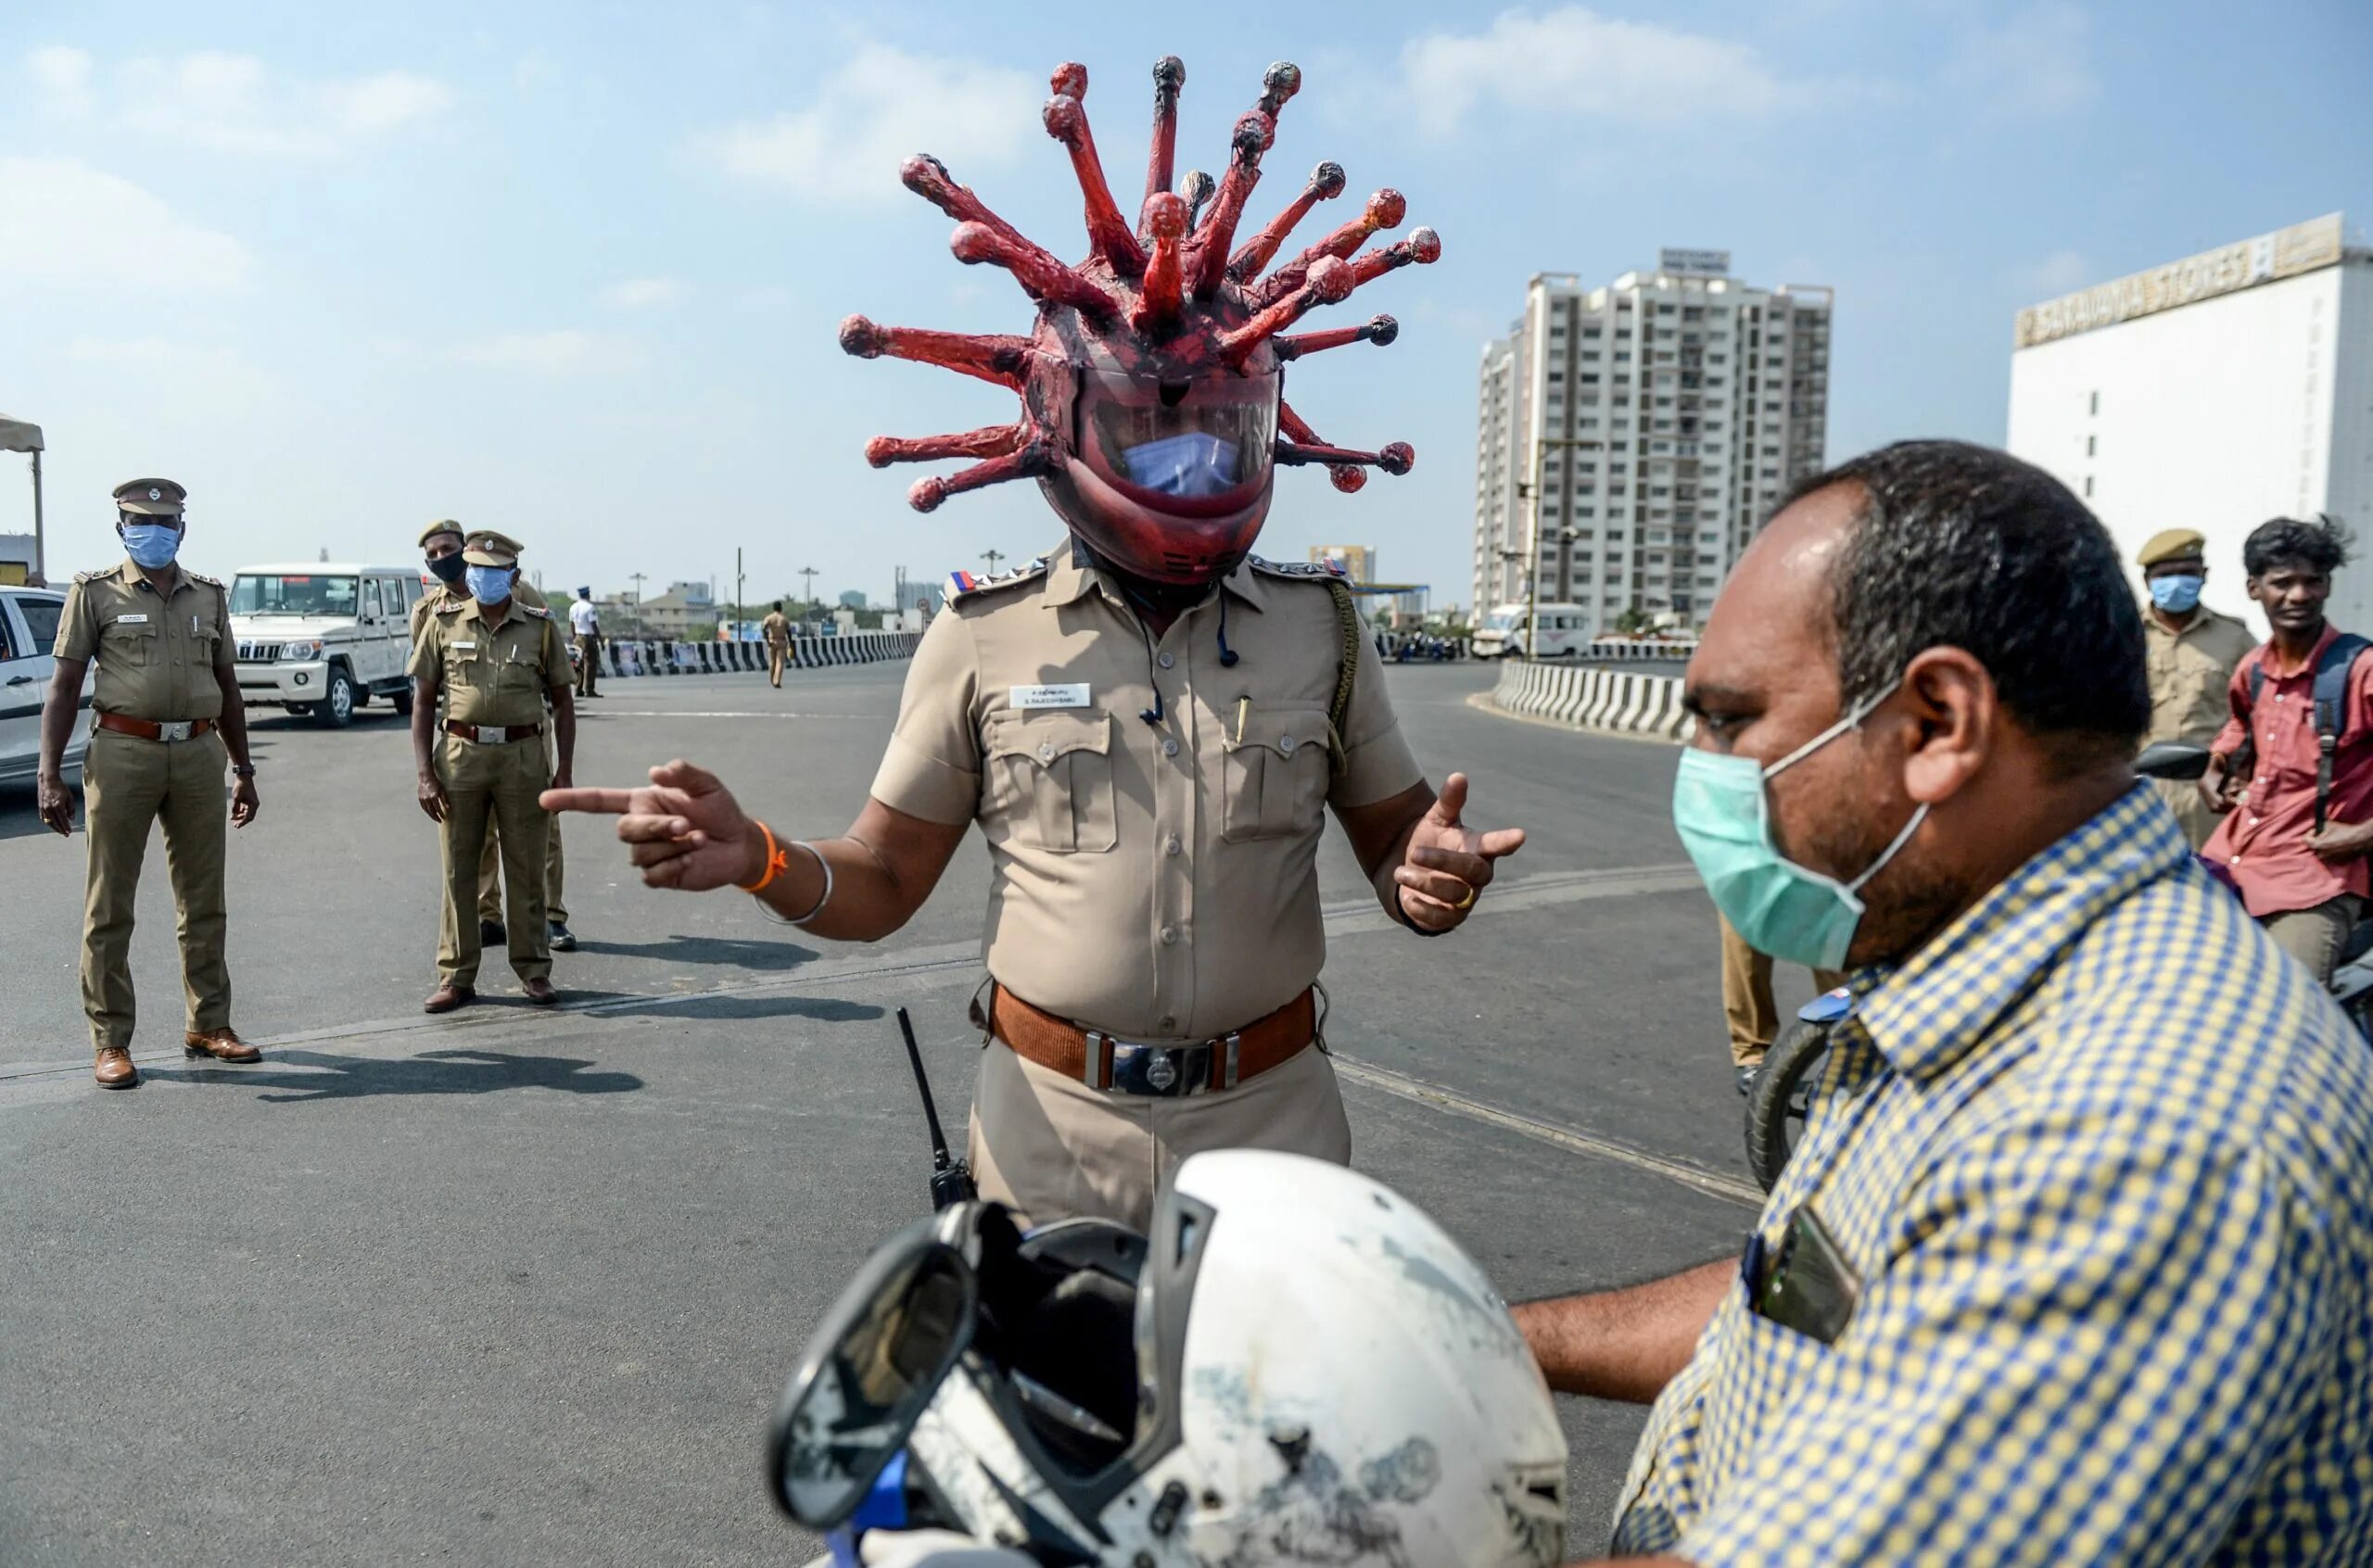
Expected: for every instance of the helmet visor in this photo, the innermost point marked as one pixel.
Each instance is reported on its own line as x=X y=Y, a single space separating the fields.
x=1188 y=447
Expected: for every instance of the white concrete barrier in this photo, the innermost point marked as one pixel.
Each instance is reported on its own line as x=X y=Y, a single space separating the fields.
x=1624 y=702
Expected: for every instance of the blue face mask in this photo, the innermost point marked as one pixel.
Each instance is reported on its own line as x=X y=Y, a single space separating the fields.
x=1724 y=812
x=2177 y=595
x=1188 y=465
x=489 y=585
x=152 y=545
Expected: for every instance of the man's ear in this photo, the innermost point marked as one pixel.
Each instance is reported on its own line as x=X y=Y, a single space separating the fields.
x=1954 y=723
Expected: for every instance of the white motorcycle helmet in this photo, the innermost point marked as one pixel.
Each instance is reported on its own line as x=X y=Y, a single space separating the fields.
x=1299 y=1367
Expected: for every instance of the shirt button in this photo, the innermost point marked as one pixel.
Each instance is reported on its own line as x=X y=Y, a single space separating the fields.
x=1164 y=660
x=1169 y=747
x=1286 y=744
x=1169 y=1022
x=1046 y=752
x=1170 y=845
x=1168 y=936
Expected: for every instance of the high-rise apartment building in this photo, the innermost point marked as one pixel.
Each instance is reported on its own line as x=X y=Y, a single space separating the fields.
x=2213 y=393
x=1664 y=414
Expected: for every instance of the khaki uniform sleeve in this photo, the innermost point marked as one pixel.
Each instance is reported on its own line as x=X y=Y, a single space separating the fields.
x=226 y=650
x=558 y=671
x=78 y=626
x=427 y=652
x=1377 y=761
x=931 y=767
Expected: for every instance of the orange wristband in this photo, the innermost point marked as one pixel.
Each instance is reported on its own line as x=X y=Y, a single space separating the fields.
x=778 y=860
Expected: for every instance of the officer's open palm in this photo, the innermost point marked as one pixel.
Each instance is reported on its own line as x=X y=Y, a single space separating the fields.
x=1448 y=863
x=685 y=830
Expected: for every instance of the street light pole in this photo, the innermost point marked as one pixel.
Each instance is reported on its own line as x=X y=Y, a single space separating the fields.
x=1540 y=446
x=636 y=578
x=807 y=588
x=737 y=593
x=993 y=557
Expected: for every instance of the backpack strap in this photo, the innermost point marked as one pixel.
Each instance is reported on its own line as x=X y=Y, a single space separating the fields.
x=2332 y=672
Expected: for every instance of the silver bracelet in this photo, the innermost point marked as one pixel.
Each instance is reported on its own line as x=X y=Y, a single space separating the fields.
x=822 y=899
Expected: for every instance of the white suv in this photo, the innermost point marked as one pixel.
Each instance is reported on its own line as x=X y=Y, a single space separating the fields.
x=323 y=638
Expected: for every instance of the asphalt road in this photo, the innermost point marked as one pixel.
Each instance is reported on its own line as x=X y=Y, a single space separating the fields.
x=521 y=1286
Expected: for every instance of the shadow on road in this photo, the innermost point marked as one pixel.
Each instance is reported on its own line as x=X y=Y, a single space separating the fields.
x=727 y=1009
x=736 y=951
x=437 y=1072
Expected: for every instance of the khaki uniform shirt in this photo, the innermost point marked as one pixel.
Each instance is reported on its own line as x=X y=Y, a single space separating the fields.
x=2190 y=671
x=521 y=593
x=492 y=675
x=775 y=629
x=1155 y=880
x=158 y=657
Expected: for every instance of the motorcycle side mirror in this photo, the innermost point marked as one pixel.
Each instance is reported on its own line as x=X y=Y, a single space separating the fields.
x=869 y=1373
x=2172 y=759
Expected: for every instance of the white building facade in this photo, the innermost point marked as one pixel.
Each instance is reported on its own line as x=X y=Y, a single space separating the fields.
x=1664 y=414
x=2213 y=393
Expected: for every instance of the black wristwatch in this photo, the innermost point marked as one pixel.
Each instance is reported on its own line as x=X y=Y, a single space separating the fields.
x=243 y=770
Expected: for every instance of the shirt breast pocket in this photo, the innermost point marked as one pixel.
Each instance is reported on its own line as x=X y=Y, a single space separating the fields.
x=1050 y=775
x=129 y=644
x=516 y=673
x=470 y=667
x=1275 y=773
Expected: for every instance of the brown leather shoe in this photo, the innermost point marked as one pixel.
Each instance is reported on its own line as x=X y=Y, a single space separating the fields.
x=445 y=998
x=540 y=992
x=114 y=1068
x=223 y=1044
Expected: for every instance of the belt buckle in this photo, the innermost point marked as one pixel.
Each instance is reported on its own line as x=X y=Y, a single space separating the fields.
x=174 y=729
x=1159 y=1072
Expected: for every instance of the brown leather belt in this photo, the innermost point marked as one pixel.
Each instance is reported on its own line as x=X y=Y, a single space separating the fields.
x=178 y=729
x=489 y=733
x=1127 y=1067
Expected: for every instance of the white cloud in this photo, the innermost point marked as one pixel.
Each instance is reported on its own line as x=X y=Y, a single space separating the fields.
x=232 y=385
x=2063 y=271
x=2036 y=63
x=565 y=352
x=636 y=294
x=874 y=113
x=226 y=103
x=1573 y=61
x=72 y=224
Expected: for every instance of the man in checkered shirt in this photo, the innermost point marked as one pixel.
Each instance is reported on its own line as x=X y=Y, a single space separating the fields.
x=2075 y=1261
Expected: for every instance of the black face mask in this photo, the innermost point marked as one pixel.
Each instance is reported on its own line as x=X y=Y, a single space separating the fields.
x=449 y=568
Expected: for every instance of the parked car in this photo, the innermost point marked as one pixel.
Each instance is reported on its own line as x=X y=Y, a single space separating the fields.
x=28 y=631
x=323 y=638
x=1565 y=631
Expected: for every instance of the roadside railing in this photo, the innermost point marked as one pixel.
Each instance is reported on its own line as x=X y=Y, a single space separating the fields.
x=645 y=656
x=1584 y=697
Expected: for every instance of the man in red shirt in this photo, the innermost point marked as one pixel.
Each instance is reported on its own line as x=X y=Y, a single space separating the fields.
x=2307 y=884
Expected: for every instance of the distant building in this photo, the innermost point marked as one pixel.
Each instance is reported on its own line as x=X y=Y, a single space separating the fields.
x=668 y=616
x=1358 y=562
x=2212 y=393
x=1685 y=403
x=853 y=599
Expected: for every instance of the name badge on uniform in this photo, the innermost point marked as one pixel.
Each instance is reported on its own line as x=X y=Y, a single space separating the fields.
x=137 y=618
x=1073 y=696
x=461 y=647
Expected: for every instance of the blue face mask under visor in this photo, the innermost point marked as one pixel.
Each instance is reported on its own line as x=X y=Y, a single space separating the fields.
x=1189 y=465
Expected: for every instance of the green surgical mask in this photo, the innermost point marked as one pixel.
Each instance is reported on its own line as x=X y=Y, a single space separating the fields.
x=1724 y=812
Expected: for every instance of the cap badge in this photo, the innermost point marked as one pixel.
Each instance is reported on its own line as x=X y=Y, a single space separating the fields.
x=156 y=494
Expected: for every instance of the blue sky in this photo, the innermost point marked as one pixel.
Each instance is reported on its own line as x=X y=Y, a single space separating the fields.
x=575 y=270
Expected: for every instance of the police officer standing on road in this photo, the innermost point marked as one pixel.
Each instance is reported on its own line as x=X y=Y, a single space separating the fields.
x=2195 y=651
x=168 y=716
x=1149 y=725
x=777 y=631
x=498 y=661
x=586 y=622
x=440 y=546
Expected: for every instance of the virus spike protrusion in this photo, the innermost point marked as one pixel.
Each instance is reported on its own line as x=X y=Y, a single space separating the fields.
x=1326 y=183
x=1330 y=284
x=1385 y=209
x=1348 y=477
x=1066 y=121
x=996 y=357
x=1379 y=331
x=1252 y=136
x=1040 y=274
x=1197 y=188
x=1423 y=248
x=992 y=441
x=1035 y=456
x=1156 y=312
x=929 y=179
x=1169 y=75
x=1395 y=459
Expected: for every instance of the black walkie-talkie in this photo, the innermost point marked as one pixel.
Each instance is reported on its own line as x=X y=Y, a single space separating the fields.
x=951 y=1179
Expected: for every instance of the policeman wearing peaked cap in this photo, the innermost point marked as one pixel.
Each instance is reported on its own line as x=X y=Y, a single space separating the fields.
x=497 y=662
x=2193 y=653
x=169 y=717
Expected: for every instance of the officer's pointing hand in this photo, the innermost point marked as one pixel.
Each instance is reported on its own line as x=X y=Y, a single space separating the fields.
x=686 y=830
x=1449 y=864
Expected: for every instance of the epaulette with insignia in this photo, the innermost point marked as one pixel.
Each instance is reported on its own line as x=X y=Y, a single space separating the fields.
x=451 y=605
x=536 y=610
x=1319 y=569
x=960 y=583
x=88 y=576
x=202 y=577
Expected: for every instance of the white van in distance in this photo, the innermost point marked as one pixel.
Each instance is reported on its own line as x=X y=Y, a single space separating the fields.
x=323 y=638
x=1565 y=632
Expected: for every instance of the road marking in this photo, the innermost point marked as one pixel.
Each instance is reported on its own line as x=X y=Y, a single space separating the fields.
x=708 y=712
x=1418 y=1092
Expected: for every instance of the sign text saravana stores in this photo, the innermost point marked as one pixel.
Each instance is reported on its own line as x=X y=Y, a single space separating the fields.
x=2303 y=247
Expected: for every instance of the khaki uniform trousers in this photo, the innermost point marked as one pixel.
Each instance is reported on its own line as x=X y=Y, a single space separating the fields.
x=490 y=794
x=490 y=858
x=128 y=786
x=1054 y=1148
x=1747 y=1002
x=589 y=660
x=776 y=653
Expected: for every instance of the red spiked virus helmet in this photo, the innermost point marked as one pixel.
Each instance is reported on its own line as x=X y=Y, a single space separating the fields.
x=1151 y=407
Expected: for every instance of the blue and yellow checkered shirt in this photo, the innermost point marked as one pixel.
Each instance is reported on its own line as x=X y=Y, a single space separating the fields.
x=2102 y=1158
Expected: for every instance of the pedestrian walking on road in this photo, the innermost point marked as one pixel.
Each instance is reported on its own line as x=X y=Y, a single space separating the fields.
x=497 y=662
x=2195 y=651
x=777 y=631
x=586 y=622
x=1149 y=727
x=168 y=716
